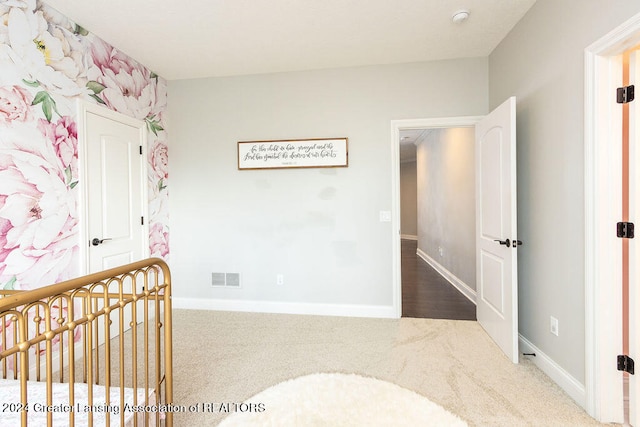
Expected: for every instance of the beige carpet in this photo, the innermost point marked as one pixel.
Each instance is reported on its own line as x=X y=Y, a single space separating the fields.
x=222 y=359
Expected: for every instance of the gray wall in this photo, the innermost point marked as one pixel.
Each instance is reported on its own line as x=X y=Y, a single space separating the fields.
x=320 y=228
x=446 y=201
x=542 y=62
x=408 y=199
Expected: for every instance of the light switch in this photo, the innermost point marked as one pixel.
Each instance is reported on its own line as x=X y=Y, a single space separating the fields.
x=385 y=216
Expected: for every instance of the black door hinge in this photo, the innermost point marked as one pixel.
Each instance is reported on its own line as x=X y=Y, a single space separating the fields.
x=625 y=230
x=141 y=220
x=625 y=94
x=625 y=364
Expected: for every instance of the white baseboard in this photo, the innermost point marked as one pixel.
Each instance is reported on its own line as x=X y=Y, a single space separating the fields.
x=568 y=383
x=451 y=278
x=408 y=237
x=345 y=310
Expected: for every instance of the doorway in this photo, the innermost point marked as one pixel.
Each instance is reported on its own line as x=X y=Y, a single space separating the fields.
x=113 y=202
x=603 y=209
x=398 y=126
x=496 y=235
x=113 y=176
x=437 y=198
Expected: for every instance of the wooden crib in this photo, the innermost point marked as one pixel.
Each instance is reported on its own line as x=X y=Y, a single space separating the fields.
x=94 y=351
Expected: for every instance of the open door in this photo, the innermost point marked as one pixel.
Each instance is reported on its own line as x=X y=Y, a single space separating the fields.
x=634 y=253
x=496 y=227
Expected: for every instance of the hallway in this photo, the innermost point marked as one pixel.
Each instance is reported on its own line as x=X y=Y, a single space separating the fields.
x=426 y=294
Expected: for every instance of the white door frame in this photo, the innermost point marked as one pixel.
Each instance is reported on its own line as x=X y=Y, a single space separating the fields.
x=603 y=189
x=396 y=127
x=83 y=108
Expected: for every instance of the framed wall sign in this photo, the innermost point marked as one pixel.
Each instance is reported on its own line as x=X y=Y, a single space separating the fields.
x=293 y=153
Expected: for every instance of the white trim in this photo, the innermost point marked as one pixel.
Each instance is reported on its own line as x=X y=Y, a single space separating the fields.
x=396 y=127
x=83 y=107
x=449 y=276
x=344 y=310
x=602 y=157
x=566 y=381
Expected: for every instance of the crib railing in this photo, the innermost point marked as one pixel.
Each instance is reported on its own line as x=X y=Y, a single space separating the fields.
x=110 y=329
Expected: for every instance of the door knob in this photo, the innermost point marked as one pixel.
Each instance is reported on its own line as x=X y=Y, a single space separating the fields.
x=96 y=241
x=507 y=242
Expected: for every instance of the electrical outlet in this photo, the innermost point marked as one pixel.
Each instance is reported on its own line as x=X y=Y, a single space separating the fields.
x=440 y=251
x=553 y=326
x=280 y=279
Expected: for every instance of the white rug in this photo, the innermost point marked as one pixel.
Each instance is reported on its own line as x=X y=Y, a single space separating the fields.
x=339 y=400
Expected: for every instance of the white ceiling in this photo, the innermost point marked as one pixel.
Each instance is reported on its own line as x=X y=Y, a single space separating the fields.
x=205 y=38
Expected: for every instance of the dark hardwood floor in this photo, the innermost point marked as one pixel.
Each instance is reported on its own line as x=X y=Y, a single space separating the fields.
x=426 y=294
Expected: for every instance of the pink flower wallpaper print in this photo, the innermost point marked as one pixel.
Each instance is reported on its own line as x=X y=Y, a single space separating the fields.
x=47 y=62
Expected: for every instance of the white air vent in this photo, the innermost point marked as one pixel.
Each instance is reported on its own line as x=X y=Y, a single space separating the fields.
x=233 y=280
x=218 y=279
x=225 y=280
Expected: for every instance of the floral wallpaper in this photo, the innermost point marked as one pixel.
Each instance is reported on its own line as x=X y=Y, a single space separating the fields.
x=46 y=63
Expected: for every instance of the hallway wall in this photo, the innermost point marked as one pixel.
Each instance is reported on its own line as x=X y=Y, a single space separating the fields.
x=408 y=199
x=446 y=201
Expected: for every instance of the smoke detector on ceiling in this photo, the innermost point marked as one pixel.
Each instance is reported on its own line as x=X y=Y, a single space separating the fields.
x=460 y=16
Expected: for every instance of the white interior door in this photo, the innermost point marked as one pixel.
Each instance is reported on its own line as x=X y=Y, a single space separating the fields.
x=634 y=253
x=115 y=189
x=115 y=199
x=496 y=227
